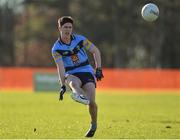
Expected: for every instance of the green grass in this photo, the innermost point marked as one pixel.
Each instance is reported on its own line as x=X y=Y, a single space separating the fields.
x=120 y=116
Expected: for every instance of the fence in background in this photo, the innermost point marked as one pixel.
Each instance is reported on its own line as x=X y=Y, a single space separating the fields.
x=23 y=78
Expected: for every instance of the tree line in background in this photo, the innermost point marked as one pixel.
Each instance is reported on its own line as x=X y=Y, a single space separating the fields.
x=28 y=29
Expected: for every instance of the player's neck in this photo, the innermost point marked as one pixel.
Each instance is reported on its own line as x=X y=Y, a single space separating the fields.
x=66 y=39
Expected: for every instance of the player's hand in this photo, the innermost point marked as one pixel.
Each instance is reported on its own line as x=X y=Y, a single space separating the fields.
x=99 y=74
x=62 y=91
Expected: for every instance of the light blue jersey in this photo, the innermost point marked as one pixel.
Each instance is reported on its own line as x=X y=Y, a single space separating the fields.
x=73 y=55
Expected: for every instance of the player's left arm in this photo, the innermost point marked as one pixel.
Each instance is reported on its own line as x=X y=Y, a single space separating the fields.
x=89 y=46
x=97 y=58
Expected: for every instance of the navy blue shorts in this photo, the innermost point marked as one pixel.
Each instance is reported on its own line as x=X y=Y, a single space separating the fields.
x=85 y=77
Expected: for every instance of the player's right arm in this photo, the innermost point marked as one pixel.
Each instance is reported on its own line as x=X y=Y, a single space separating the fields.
x=60 y=67
x=61 y=72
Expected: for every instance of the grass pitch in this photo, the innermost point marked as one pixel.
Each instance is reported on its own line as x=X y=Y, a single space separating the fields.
x=41 y=116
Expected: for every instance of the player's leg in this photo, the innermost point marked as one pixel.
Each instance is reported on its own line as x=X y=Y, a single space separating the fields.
x=77 y=92
x=89 y=88
x=74 y=83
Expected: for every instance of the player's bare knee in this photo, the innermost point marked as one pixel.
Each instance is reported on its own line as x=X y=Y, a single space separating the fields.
x=73 y=84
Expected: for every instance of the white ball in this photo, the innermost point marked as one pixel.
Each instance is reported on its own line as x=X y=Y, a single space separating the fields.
x=150 y=12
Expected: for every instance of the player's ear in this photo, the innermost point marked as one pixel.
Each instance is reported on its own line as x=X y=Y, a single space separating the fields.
x=59 y=28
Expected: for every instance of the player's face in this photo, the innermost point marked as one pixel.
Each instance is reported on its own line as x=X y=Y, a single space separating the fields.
x=66 y=29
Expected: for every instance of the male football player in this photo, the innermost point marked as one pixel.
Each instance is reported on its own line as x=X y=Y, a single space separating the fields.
x=74 y=70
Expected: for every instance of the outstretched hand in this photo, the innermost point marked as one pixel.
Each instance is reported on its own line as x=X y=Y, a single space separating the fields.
x=99 y=75
x=62 y=91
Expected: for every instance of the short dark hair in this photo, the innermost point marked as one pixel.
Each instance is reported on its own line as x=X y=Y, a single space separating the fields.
x=65 y=19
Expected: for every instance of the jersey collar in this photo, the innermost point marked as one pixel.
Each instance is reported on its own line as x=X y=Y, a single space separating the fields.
x=62 y=43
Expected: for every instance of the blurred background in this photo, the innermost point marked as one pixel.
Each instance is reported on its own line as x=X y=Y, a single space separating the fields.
x=130 y=46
